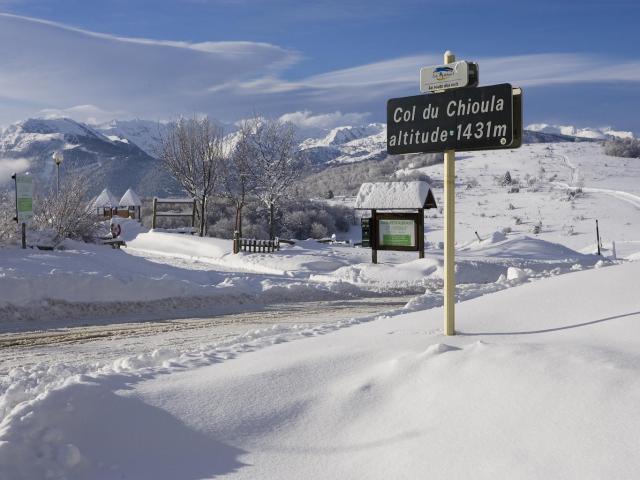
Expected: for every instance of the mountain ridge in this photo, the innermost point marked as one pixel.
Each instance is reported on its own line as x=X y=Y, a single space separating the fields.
x=122 y=153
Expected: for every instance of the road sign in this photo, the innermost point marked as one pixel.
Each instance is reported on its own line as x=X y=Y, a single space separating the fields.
x=464 y=119
x=445 y=77
x=24 y=197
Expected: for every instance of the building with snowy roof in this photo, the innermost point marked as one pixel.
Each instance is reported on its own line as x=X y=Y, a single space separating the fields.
x=129 y=205
x=105 y=203
x=415 y=195
x=401 y=225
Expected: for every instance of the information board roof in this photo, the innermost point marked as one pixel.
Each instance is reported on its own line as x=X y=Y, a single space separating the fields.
x=395 y=196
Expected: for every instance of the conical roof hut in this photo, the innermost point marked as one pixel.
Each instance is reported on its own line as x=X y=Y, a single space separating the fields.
x=130 y=199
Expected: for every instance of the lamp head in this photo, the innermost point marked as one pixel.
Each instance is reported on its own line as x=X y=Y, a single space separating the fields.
x=58 y=157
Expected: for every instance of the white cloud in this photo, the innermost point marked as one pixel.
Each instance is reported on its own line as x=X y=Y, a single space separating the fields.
x=9 y=166
x=90 y=114
x=310 y=124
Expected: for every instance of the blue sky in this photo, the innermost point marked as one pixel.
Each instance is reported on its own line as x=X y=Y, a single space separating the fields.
x=330 y=61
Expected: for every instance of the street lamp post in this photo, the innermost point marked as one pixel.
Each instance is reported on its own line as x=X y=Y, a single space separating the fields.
x=58 y=157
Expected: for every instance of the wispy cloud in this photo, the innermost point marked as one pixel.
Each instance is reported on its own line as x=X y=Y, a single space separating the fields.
x=49 y=68
x=56 y=66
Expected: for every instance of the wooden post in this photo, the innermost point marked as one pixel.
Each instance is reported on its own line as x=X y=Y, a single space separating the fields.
x=421 y=233
x=373 y=229
x=24 y=235
x=236 y=242
x=155 y=210
x=449 y=232
x=598 y=237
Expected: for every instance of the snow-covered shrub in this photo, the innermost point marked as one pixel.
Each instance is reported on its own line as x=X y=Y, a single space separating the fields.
x=472 y=183
x=622 y=147
x=568 y=230
x=66 y=213
x=255 y=231
x=8 y=226
x=537 y=228
x=318 y=230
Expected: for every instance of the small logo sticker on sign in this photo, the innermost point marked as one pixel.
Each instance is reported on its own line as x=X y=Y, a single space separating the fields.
x=443 y=73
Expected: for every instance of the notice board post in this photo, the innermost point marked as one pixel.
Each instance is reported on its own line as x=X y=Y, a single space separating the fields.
x=374 y=237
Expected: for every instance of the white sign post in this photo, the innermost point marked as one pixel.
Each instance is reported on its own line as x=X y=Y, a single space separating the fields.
x=449 y=232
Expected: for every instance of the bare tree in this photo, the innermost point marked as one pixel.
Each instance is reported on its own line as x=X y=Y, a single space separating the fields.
x=238 y=168
x=192 y=152
x=272 y=146
x=67 y=213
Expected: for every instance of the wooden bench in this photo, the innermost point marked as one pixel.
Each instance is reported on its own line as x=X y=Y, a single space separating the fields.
x=114 y=242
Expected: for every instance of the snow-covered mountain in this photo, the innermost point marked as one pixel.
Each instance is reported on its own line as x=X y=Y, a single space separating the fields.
x=350 y=144
x=571 y=131
x=347 y=144
x=110 y=161
x=120 y=154
x=146 y=134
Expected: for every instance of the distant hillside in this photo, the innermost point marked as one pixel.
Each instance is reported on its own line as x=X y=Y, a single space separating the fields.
x=116 y=163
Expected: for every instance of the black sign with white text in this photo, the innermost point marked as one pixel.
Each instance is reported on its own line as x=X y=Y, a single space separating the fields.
x=476 y=118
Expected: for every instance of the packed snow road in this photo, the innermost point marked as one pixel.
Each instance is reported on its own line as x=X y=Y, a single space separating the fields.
x=107 y=342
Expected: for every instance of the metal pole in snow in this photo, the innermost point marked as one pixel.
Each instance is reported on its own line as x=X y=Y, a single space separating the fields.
x=449 y=232
x=598 y=237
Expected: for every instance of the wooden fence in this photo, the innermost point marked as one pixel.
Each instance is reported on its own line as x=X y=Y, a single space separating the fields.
x=255 y=246
x=189 y=203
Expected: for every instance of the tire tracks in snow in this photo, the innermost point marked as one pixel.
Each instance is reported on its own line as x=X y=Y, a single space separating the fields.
x=627 y=197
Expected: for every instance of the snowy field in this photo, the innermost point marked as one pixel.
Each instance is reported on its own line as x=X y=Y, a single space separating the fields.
x=540 y=382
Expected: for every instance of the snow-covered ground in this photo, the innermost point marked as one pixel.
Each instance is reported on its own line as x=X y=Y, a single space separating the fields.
x=541 y=382
x=163 y=275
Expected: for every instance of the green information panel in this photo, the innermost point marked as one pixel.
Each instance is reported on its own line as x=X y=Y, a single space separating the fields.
x=24 y=197
x=397 y=233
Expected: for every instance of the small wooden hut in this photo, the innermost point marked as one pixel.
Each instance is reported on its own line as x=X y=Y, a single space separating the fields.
x=129 y=206
x=105 y=204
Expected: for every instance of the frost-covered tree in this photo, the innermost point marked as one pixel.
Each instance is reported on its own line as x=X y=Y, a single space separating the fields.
x=276 y=165
x=237 y=172
x=192 y=152
x=66 y=213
